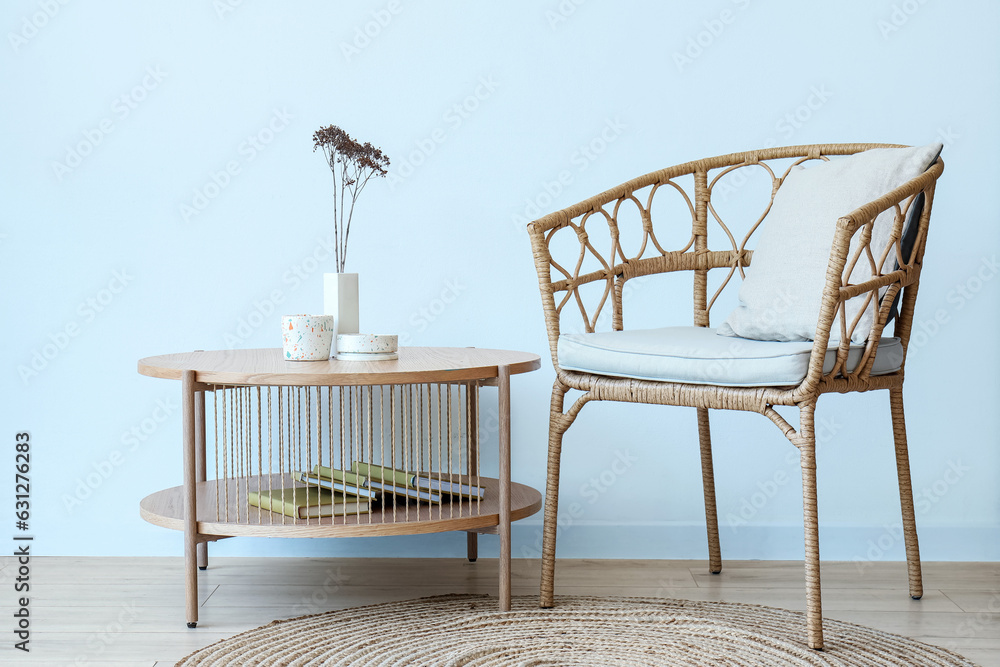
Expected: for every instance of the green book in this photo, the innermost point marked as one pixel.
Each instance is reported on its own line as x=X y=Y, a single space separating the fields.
x=305 y=502
x=343 y=476
x=439 y=482
x=382 y=474
x=436 y=483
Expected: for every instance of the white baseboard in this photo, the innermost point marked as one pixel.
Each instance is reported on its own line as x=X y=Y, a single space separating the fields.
x=662 y=541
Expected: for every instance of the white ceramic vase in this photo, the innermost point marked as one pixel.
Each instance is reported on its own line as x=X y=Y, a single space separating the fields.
x=340 y=299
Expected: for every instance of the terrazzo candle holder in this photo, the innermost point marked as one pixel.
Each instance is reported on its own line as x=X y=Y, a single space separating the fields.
x=366 y=347
x=358 y=343
x=306 y=337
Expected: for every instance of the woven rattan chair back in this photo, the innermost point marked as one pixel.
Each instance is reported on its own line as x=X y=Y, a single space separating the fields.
x=585 y=256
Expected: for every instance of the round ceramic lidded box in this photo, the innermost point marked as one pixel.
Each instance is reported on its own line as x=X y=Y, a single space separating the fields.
x=367 y=347
x=307 y=337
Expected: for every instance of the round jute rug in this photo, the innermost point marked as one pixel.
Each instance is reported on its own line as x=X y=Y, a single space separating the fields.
x=468 y=630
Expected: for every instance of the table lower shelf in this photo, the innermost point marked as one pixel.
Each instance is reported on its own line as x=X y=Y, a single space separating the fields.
x=166 y=508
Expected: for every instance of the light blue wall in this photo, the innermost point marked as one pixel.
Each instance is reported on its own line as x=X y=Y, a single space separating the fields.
x=162 y=96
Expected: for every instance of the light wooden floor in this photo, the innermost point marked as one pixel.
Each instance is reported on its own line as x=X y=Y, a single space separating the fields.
x=129 y=611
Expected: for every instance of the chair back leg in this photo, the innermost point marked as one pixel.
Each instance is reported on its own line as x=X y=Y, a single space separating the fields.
x=708 y=481
x=906 y=493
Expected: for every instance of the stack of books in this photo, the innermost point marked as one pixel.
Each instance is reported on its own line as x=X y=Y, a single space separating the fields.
x=333 y=492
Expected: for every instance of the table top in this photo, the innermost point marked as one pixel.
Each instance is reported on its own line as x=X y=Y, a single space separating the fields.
x=268 y=367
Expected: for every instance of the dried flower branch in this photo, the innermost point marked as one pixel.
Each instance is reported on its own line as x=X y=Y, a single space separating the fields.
x=352 y=166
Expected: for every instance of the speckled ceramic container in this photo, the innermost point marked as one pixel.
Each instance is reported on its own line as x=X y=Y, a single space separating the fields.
x=307 y=337
x=367 y=343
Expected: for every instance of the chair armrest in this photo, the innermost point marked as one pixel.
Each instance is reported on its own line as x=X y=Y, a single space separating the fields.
x=894 y=273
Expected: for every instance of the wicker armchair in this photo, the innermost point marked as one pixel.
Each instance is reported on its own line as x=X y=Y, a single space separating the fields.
x=583 y=283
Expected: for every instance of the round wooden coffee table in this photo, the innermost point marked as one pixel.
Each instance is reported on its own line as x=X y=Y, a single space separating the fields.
x=377 y=401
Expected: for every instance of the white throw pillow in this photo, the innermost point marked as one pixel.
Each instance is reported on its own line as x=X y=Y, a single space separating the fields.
x=781 y=296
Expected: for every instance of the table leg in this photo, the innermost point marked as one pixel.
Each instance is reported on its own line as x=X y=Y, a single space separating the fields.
x=472 y=539
x=503 y=390
x=472 y=546
x=200 y=469
x=190 y=499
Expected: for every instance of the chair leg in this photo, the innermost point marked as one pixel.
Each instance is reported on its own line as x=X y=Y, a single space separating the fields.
x=708 y=481
x=906 y=494
x=807 y=459
x=557 y=428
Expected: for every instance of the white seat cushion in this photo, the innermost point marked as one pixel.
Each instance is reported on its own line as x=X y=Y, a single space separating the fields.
x=697 y=355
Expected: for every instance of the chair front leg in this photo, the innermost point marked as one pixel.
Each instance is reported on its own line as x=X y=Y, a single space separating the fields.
x=906 y=493
x=807 y=459
x=708 y=481
x=557 y=427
